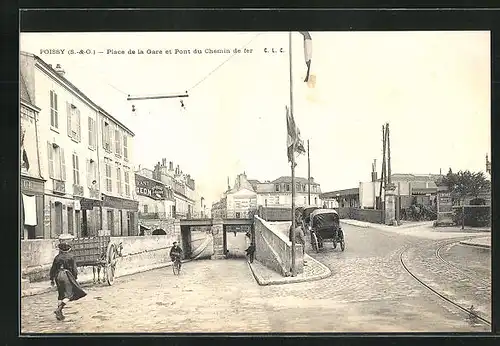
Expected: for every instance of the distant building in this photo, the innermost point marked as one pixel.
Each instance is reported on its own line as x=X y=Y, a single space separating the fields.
x=341 y=198
x=156 y=200
x=182 y=185
x=278 y=193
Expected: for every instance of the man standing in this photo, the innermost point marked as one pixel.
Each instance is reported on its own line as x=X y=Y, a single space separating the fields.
x=298 y=233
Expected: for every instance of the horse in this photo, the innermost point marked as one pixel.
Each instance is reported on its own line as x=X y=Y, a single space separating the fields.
x=101 y=262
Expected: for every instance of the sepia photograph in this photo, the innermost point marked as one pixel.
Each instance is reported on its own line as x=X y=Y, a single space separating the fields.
x=255 y=182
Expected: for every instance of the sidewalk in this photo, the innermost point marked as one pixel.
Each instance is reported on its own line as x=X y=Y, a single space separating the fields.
x=484 y=242
x=423 y=229
x=85 y=280
x=313 y=270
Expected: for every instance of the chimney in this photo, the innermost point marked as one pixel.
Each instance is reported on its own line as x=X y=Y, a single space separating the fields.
x=374 y=170
x=59 y=70
x=163 y=162
x=171 y=166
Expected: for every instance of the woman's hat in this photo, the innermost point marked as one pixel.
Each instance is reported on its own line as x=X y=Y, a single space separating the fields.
x=64 y=247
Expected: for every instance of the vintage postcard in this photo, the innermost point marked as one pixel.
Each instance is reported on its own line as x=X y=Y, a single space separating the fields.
x=200 y=182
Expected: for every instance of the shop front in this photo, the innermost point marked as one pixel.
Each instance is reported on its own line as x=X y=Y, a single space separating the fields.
x=120 y=216
x=89 y=211
x=32 y=210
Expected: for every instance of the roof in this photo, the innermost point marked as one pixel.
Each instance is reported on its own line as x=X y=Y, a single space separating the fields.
x=414 y=177
x=253 y=181
x=323 y=211
x=288 y=179
x=78 y=91
x=345 y=192
x=25 y=96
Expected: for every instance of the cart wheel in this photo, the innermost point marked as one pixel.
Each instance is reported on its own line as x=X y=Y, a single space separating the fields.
x=342 y=245
x=111 y=264
x=314 y=242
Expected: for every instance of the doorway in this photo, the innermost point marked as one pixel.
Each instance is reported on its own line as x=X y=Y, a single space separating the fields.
x=85 y=227
x=70 y=221
x=58 y=220
x=120 y=222
x=109 y=214
x=78 y=223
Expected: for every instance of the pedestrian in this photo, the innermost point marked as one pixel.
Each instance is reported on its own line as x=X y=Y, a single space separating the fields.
x=63 y=273
x=250 y=252
x=299 y=237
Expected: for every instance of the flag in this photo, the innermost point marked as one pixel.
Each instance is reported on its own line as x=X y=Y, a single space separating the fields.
x=293 y=137
x=307 y=52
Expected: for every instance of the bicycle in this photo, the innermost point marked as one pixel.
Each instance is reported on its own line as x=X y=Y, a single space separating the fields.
x=176 y=266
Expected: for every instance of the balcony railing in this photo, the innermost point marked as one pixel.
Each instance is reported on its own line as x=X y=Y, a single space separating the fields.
x=59 y=186
x=77 y=190
x=153 y=216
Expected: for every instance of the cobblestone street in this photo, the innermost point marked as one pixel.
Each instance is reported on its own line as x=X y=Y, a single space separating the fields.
x=368 y=291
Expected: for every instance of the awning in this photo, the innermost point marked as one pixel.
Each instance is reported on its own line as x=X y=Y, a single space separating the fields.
x=29 y=203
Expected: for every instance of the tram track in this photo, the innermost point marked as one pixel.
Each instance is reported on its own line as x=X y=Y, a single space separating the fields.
x=455 y=267
x=470 y=312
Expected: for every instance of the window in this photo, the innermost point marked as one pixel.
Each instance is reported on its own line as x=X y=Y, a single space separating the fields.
x=316 y=200
x=118 y=144
x=92 y=132
x=297 y=186
x=125 y=147
x=287 y=187
x=57 y=163
x=109 y=185
x=145 y=208
x=119 y=180
x=73 y=115
x=91 y=172
x=76 y=170
x=54 y=117
x=127 y=180
x=265 y=202
x=106 y=136
x=277 y=187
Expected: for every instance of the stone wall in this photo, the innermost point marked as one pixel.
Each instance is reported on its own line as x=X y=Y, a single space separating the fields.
x=275 y=214
x=367 y=215
x=138 y=252
x=274 y=250
x=218 y=239
x=168 y=225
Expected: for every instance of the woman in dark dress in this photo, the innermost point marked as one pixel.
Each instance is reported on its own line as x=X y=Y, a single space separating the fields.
x=64 y=274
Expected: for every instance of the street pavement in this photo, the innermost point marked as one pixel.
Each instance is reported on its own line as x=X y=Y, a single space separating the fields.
x=368 y=291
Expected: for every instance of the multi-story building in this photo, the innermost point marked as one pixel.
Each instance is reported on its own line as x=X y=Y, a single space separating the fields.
x=119 y=204
x=278 y=193
x=241 y=200
x=183 y=187
x=32 y=183
x=156 y=200
x=219 y=209
x=88 y=182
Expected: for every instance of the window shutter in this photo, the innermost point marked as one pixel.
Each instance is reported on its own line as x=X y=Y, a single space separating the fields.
x=77 y=170
x=68 y=113
x=103 y=130
x=79 y=130
x=89 y=176
x=50 y=152
x=63 y=164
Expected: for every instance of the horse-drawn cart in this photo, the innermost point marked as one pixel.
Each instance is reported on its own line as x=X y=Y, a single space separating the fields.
x=99 y=253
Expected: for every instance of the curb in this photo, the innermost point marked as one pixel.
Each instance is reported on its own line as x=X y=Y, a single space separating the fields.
x=467 y=243
x=90 y=282
x=289 y=280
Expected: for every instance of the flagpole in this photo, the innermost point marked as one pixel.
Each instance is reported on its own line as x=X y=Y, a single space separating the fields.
x=308 y=176
x=294 y=271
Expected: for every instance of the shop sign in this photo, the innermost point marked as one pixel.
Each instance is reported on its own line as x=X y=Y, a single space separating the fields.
x=89 y=204
x=149 y=188
x=29 y=185
x=119 y=203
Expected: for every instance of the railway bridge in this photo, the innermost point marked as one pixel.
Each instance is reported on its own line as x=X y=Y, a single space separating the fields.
x=217 y=230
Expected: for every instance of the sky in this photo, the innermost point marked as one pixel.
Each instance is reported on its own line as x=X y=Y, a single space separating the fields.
x=433 y=88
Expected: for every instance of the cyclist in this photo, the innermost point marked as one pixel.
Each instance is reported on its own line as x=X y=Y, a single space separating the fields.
x=176 y=253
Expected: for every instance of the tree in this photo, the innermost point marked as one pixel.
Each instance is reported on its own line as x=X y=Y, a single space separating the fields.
x=466 y=183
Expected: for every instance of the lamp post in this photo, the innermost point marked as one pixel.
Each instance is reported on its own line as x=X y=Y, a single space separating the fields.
x=201 y=205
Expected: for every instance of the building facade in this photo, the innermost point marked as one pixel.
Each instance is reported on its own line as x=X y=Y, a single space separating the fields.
x=341 y=198
x=32 y=183
x=84 y=189
x=182 y=185
x=241 y=200
x=156 y=200
x=278 y=193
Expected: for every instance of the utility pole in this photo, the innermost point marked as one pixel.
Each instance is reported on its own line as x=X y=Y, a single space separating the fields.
x=382 y=176
x=308 y=176
x=294 y=270
x=388 y=142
